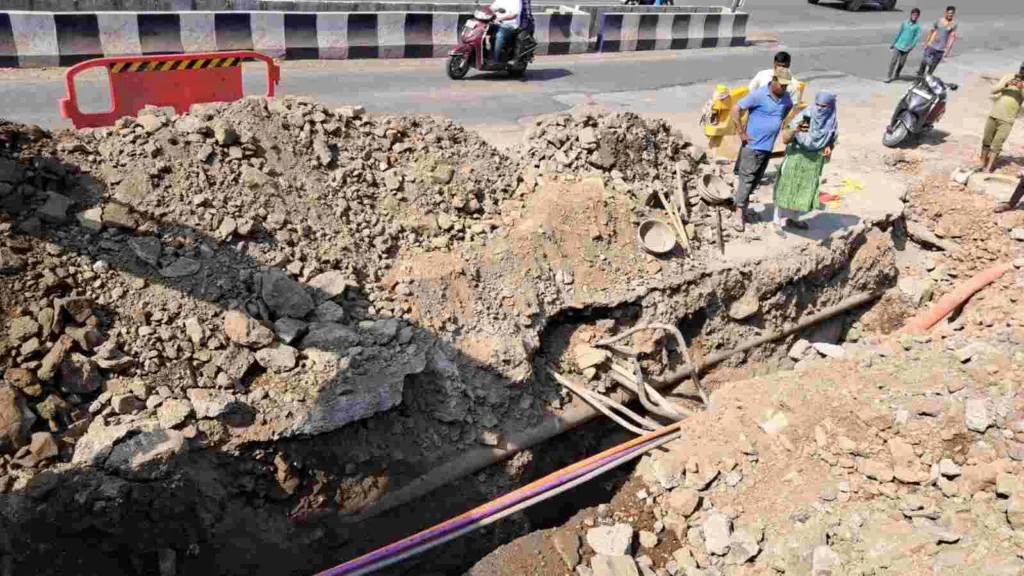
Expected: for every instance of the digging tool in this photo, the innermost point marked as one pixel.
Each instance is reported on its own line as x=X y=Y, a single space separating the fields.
x=673 y=217
x=681 y=194
x=718 y=230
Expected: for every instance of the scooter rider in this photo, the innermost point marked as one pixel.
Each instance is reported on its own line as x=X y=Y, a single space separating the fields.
x=507 y=16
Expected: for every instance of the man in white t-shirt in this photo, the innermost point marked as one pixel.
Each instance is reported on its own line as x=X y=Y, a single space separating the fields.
x=764 y=77
x=506 y=15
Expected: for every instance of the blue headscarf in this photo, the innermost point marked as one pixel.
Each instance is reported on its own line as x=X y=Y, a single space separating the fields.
x=824 y=123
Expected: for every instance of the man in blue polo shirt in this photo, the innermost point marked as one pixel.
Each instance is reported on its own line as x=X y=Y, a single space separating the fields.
x=766 y=109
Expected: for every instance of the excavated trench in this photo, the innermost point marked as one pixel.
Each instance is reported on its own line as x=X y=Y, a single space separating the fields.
x=504 y=270
x=228 y=513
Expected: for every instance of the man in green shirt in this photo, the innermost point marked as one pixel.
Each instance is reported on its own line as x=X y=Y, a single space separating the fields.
x=1008 y=97
x=906 y=40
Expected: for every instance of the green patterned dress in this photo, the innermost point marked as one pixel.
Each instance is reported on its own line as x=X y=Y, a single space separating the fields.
x=796 y=187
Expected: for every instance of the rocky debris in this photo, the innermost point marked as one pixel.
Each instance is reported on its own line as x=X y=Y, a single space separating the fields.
x=567 y=544
x=247 y=331
x=976 y=415
x=717 y=534
x=278 y=358
x=144 y=455
x=614 y=540
x=210 y=403
x=605 y=565
x=289 y=329
x=173 y=412
x=285 y=296
x=16 y=419
x=744 y=307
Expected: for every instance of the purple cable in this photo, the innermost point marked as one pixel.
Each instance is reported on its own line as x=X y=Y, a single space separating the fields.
x=446 y=528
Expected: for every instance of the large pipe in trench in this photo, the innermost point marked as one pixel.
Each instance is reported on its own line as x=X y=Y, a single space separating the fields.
x=479 y=458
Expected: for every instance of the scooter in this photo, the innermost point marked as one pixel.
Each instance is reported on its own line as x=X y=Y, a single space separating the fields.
x=476 y=43
x=917 y=112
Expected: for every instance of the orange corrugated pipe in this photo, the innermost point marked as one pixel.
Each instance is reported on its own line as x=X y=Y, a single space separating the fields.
x=922 y=322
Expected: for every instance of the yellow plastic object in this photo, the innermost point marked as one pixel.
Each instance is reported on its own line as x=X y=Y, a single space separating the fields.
x=721 y=122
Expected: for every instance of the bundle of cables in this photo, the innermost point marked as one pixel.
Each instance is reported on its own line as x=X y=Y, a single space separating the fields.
x=487 y=514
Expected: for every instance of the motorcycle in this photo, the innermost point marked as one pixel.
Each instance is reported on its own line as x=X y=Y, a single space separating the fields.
x=475 y=47
x=921 y=107
x=647 y=3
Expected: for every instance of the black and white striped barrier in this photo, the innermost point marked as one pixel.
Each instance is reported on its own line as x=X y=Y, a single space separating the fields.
x=35 y=39
x=619 y=32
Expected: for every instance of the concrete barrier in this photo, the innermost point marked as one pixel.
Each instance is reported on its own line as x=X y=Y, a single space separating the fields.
x=33 y=39
x=624 y=32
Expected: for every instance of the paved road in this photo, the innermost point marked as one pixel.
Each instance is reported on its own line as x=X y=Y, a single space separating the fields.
x=825 y=41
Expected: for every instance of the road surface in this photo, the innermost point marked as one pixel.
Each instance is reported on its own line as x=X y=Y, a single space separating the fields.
x=825 y=41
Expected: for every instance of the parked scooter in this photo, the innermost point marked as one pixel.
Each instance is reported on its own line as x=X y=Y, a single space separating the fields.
x=476 y=48
x=917 y=112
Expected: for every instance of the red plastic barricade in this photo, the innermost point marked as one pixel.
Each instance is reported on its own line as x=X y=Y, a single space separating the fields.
x=175 y=80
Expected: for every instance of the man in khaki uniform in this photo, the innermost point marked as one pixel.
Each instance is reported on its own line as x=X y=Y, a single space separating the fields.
x=1008 y=97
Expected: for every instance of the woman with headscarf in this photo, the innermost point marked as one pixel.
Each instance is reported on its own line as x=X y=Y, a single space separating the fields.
x=810 y=138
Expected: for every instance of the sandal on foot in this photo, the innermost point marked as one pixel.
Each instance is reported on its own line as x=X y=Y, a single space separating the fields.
x=798 y=225
x=1002 y=207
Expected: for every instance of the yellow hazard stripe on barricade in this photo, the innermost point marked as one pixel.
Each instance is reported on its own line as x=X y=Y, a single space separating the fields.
x=170 y=65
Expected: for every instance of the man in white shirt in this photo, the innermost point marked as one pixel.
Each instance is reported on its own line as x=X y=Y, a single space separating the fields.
x=764 y=77
x=506 y=15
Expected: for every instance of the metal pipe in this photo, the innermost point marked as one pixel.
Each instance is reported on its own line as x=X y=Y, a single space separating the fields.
x=585 y=395
x=554 y=424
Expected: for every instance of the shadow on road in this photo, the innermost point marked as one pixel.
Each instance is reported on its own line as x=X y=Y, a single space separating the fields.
x=531 y=75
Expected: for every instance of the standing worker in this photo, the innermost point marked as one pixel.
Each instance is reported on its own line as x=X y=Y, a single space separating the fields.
x=782 y=61
x=1008 y=96
x=906 y=40
x=767 y=108
x=940 y=42
x=810 y=139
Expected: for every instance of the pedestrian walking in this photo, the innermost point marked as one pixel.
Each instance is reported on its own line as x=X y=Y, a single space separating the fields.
x=939 y=45
x=1008 y=98
x=904 y=43
x=1015 y=198
x=810 y=138
x=767 y=108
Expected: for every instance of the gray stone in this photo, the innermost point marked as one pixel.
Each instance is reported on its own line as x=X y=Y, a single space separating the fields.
x=683 y=501
x=976 y=415
x=611 y=540
x=917 y=291
x=173 y=412
x=55 y=211
x=118 y=216
x=147 y=249
x=329 y=285
x=648 y=539
x=181 y=268
x=799 y=348
x=328 y=311
x=1017 y=234
x=194 y=331
x=1007 y=484
x=1015 y=511
x=224 y=133
x=55 y=357
x=151 y=122
x=604 y=565
x=567 y=544
x=949 y=469
x=392 y=180
x=285 y=296
x=126 y=403
x=328 y=336
x=773 y=422
x=717 y=534
x=876 y=470
x=825 y=562
x=384 y=331
x=43 y=446
x=235 y=361
x=79 y=375
x=247 y=331
x=16 y=419
x=830 y=350
x=210 y=403
x=443 y=174
x=669 y=469
x=146 y=455
x=278 y=358
x=95 y=446
x=744 y=308
x=289 y=329
x=588 y=139
x=22 y=328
